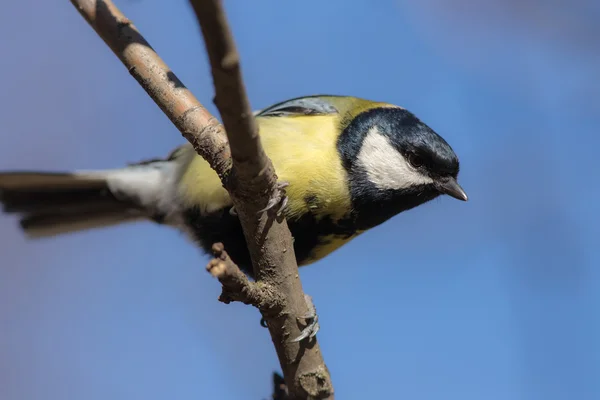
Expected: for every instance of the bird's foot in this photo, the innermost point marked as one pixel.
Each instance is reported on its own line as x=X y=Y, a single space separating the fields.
x=279 y=199
x=312 y=320
x=310 y=317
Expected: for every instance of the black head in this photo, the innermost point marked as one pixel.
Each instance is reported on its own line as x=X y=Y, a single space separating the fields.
x=395 y=162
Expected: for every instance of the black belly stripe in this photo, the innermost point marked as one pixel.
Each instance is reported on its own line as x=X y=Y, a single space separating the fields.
x=222 y=227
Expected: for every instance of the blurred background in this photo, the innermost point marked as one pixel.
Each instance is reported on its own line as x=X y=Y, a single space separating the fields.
x=496 y=298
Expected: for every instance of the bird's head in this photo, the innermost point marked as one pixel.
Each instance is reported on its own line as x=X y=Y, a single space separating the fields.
x=395 y=162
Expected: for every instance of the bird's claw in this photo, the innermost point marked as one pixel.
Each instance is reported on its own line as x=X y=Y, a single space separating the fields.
x=311 y=318
x=278 y=198
x=233 y=212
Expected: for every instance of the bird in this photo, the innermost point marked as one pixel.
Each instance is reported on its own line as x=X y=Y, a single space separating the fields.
x=345 y=165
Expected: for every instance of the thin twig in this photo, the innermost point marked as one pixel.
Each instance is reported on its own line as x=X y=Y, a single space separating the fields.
x=237 y=286
x=247 y=173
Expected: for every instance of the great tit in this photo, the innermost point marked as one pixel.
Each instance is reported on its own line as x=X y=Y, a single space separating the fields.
x=349 y=164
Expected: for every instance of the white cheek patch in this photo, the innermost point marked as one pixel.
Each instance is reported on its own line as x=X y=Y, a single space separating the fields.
x=386 y=168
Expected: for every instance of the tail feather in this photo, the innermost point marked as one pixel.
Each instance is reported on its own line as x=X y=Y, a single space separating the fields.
x=46 y=225
x=57 y=203
x=50 y=180
x=54 y=200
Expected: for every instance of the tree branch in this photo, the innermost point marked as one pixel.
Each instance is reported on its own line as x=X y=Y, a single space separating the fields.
x=245 y=170
x=194 y=122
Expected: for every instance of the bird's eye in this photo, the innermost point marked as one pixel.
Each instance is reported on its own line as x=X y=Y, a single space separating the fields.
x=415 y=160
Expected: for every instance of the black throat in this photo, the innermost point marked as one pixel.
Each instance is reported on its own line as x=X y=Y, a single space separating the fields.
x=372 y=206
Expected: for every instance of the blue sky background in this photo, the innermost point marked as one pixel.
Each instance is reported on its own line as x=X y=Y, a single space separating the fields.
x=496 y=298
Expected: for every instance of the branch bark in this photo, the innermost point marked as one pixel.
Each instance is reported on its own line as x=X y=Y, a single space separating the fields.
x=245 y=170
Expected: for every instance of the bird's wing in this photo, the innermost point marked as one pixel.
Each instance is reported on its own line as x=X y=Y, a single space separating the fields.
x=309 y=105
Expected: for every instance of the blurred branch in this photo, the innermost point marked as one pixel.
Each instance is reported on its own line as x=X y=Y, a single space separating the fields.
x=279 y=388
x=244 y=169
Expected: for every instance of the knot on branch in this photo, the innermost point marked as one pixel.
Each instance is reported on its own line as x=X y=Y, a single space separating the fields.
x=317 y=383
x=237 y=286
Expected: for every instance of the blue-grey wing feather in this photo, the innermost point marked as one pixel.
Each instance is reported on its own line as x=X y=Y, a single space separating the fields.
x=308 y=105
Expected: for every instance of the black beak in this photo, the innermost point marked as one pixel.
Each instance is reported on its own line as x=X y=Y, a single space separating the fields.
x=450 y=187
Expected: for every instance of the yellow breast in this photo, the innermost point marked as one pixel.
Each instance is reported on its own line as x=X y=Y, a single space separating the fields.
x=303 y=151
